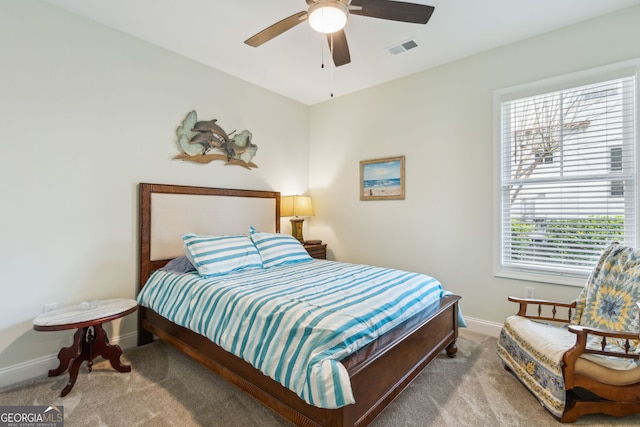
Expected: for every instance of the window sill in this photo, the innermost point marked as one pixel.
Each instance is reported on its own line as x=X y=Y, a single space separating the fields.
x=577 y=281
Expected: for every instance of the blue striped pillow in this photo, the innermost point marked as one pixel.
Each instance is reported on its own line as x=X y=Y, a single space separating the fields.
x=276 y=249
x=218 y=255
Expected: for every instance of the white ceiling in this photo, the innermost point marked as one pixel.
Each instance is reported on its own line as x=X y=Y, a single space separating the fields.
x=213 y=31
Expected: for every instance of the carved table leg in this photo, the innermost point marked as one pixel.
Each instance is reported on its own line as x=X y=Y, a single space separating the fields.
x=73 y=374
x=84 y=336
x=67 y=354
x=452 y=349
x=108 y=351
x=88 y=343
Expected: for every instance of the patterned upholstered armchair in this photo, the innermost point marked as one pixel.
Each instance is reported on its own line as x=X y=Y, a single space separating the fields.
x=582 y=357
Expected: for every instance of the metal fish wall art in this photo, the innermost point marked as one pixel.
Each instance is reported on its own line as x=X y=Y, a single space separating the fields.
x=206 y=141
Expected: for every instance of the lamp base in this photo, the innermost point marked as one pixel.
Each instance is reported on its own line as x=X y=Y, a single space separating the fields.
x=296 y=228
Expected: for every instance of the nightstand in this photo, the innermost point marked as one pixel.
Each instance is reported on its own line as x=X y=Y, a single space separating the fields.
x=317 y=251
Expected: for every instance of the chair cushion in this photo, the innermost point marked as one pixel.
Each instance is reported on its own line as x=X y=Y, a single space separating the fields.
x=608 y=300
x=533 y=351
x=551 y=342
x=606 y=375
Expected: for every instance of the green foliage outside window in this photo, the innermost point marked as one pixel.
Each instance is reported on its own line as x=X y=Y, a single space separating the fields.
x=552 y=238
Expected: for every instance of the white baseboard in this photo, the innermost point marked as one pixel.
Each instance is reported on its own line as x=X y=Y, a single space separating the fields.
x=40 y=366
x=483 y=326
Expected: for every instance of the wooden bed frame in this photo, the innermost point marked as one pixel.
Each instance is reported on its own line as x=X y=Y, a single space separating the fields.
x=378 y=372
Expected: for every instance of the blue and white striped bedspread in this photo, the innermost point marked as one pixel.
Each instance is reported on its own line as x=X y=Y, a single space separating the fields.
x=294 y=322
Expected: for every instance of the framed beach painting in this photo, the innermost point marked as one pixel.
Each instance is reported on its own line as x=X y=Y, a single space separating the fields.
x=382 y=179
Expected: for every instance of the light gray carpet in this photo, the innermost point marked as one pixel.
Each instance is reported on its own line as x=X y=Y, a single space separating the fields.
x=167 y=388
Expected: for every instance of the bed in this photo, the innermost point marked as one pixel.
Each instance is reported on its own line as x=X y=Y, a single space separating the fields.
x=377 y=372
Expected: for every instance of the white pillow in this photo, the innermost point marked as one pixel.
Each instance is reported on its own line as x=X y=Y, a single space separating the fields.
x=218 y=255
x=277 y=249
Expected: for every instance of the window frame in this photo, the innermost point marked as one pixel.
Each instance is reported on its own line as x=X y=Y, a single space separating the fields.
x=624 y=69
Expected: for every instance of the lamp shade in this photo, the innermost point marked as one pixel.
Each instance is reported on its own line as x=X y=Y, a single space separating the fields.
x=328 y=16
x=296 y=206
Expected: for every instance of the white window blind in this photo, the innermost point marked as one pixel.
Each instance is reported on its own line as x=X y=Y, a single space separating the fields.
x=568 y=177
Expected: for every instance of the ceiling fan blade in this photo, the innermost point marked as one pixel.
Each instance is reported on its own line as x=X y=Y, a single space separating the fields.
x=393 y=10
x=340 y=48
x=276 y=29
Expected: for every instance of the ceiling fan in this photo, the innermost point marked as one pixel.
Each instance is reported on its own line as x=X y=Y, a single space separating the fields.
x=330 y=17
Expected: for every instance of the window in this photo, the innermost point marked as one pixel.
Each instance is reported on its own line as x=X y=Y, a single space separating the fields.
x=567 y=183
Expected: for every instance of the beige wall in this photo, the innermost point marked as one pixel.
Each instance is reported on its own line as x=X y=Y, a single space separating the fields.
x=87 y=113
x=442 y=121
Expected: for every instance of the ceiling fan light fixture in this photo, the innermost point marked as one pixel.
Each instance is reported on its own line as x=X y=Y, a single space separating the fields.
x=328 y=16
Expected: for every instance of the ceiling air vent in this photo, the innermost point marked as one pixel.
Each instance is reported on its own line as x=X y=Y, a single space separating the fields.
x=402 y=47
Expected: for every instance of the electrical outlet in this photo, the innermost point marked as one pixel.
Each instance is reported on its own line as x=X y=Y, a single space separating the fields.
x=529 y=292
x=52 y=306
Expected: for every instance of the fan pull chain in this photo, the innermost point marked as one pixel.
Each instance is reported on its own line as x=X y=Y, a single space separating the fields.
x=332 y=65
x=322 y=52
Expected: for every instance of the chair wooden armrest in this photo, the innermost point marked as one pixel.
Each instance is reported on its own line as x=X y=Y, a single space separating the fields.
x=524 y=302
x=573 y=354
x=582 y=332
x=580 y=348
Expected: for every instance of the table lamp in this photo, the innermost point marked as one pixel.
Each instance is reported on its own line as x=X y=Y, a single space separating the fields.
x=296 y=206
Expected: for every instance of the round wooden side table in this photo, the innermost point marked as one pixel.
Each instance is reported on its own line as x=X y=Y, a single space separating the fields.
x=90 y=340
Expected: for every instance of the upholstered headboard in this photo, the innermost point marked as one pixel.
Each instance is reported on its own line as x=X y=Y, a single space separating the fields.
x=166 y=212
